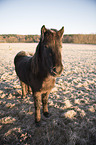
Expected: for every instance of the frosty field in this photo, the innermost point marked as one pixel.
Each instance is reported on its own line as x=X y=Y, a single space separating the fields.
x=72 y=102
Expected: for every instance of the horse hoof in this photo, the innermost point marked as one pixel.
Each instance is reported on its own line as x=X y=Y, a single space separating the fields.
x=47 y=115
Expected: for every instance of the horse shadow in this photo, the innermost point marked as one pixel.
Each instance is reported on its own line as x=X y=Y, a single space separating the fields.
x=70 y=122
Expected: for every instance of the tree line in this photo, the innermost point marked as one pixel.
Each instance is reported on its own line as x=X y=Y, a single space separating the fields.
x=73 y=38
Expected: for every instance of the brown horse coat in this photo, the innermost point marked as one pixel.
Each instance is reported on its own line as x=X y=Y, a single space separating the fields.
x=40 y=70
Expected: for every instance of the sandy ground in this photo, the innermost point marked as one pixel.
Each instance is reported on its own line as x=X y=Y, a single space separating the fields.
x=72 y=102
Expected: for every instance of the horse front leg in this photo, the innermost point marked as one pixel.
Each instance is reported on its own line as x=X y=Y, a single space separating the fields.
x=45 y=104
x=37 y=103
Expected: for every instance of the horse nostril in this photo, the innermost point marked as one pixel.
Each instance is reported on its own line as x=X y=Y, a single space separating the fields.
x=59 y=69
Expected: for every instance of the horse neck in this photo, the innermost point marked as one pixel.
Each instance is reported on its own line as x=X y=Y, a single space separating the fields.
x=37 y=66
x=35 y=62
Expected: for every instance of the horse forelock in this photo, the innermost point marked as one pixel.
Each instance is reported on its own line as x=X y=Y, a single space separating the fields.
x=53 y=30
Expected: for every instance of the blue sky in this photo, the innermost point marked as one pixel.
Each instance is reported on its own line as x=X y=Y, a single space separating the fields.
x=27 y=16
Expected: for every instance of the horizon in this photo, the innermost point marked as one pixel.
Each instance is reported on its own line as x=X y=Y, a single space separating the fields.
x=21 y=17
x=39 y=34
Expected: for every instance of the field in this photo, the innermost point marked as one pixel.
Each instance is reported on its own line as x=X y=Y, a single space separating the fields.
x=72 y=102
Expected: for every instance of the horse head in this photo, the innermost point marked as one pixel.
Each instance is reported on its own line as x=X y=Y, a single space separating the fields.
x=50 y=50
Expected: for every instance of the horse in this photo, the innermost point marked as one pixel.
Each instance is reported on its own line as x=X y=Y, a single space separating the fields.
x=40 y=70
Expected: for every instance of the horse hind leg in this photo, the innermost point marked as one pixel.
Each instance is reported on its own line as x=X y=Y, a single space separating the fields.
x=24 y=89
x=29 y=90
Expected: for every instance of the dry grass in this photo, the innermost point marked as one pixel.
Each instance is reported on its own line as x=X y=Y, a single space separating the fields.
x=72 y=102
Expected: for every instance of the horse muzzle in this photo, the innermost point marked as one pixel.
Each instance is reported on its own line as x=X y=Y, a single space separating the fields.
x=56 y=71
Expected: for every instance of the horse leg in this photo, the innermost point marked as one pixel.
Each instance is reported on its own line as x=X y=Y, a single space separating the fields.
x=45 y=104
x=29 y=90
x=37 y=103
x=23 y=86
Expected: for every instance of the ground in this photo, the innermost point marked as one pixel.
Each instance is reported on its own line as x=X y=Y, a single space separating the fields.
x=72 y=102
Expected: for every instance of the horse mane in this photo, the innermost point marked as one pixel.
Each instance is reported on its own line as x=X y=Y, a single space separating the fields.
x=36 y=60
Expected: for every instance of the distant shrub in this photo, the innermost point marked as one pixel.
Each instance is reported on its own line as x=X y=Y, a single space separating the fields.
x=71 y=38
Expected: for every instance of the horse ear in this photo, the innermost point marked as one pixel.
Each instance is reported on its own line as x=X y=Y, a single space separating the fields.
x=43 y=30
x=61 y=31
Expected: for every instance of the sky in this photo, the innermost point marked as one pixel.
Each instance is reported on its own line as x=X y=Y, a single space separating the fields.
x=28 y=16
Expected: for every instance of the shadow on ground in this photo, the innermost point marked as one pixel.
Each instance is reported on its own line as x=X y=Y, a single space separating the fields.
x=72 y=121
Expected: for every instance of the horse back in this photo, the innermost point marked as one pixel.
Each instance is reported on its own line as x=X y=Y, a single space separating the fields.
x=22 y=63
